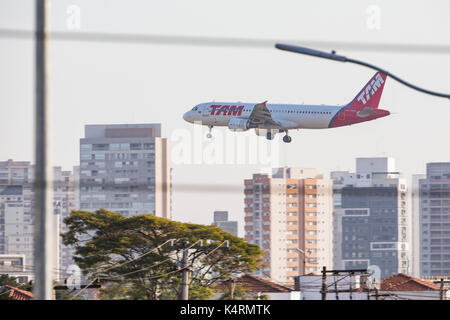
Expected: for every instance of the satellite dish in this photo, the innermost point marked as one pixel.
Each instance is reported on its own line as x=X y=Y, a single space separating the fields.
x=374 y=275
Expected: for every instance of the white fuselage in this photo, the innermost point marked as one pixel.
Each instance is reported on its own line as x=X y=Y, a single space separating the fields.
x=290 y=116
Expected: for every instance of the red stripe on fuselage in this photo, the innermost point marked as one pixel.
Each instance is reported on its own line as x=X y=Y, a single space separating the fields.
x=348 y=116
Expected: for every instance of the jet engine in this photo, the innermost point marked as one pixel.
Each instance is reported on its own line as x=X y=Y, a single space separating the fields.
x=239 y=124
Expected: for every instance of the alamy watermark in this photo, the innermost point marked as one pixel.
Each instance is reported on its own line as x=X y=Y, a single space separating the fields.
x=73 y=19
x=373 y=21
x=224 y=148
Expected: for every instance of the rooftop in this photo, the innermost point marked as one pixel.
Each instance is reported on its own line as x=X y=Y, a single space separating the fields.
x=19 y=294
x=251 y=283
x=404 y=282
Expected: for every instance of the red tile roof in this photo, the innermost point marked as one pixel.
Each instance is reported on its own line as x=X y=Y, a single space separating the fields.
x=404 y=282
x=251 y=283
x=18 y=294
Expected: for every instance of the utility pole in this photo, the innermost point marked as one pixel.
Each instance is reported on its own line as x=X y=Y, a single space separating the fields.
x=367 y=283
x=185 y=265
x=337 y=272
x=350 y=286
x=303 y=257
x=185 y=276
x=324 y=283
x=336 y=288
x=376 y=294
x=43 y=183
x=232 y=288
x=441 y=290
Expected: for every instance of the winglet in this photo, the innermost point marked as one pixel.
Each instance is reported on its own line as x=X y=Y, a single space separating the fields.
x=264 y=103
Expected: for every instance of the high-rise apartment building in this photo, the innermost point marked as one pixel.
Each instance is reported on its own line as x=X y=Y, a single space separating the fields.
x=289 y=215
x=125 y=168
x=434 y=220
x=221 y=220
x=16 y=221
x=16 y=209
x=415 y=224
x=370 y=218
x=17 y=217
x=66 y=198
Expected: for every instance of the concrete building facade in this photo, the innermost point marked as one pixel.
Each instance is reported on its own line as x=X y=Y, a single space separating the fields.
x=66 y=198
x=125 y=168
x=15 y=265
x=221 y=220
x=289 y=215
x=17 y=217
x=371 y=224
x=415 y=224
x=434 y=220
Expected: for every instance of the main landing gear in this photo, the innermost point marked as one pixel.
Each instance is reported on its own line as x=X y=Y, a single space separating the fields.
x=287 y=138
x=209 y=134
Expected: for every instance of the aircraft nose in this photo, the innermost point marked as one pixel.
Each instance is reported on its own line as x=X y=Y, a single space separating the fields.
x=187 y=116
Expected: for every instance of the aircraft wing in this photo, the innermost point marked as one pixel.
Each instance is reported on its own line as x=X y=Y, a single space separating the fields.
x=261 y=116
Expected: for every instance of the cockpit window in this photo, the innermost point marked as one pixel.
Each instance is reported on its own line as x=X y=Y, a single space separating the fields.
x=194 y=108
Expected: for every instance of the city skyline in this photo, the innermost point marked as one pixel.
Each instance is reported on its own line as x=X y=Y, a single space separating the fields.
x=235 y=215
x=138 y=83
x=224 y=150
x=297 y=197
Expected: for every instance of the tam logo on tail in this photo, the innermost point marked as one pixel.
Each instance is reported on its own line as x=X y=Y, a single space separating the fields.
x=371 y=89
x=370 y=95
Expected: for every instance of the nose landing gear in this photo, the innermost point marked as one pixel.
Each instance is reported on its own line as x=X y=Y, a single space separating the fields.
x=209 y=134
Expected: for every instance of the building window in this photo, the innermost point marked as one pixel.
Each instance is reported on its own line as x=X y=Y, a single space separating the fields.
x=135 y=146
x=98 y=156
x=85 y=147
x=100 y=147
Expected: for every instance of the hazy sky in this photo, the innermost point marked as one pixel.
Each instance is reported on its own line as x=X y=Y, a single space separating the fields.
x=92 y=83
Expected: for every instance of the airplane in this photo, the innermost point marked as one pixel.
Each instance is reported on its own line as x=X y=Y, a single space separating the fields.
x=269 y=119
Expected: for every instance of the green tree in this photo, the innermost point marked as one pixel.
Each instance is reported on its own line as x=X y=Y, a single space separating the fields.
x=11 y=281
x=233 y=291
x=66 y=294
x=134 y=257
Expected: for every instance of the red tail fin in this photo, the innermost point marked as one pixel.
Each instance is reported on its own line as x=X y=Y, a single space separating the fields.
x=370 y=95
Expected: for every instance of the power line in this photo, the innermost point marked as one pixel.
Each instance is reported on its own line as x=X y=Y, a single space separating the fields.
x=234 y=42
x=129 y=261
x=79 y=292
x=186 y=266
x=140 y=270
x=335 y=57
